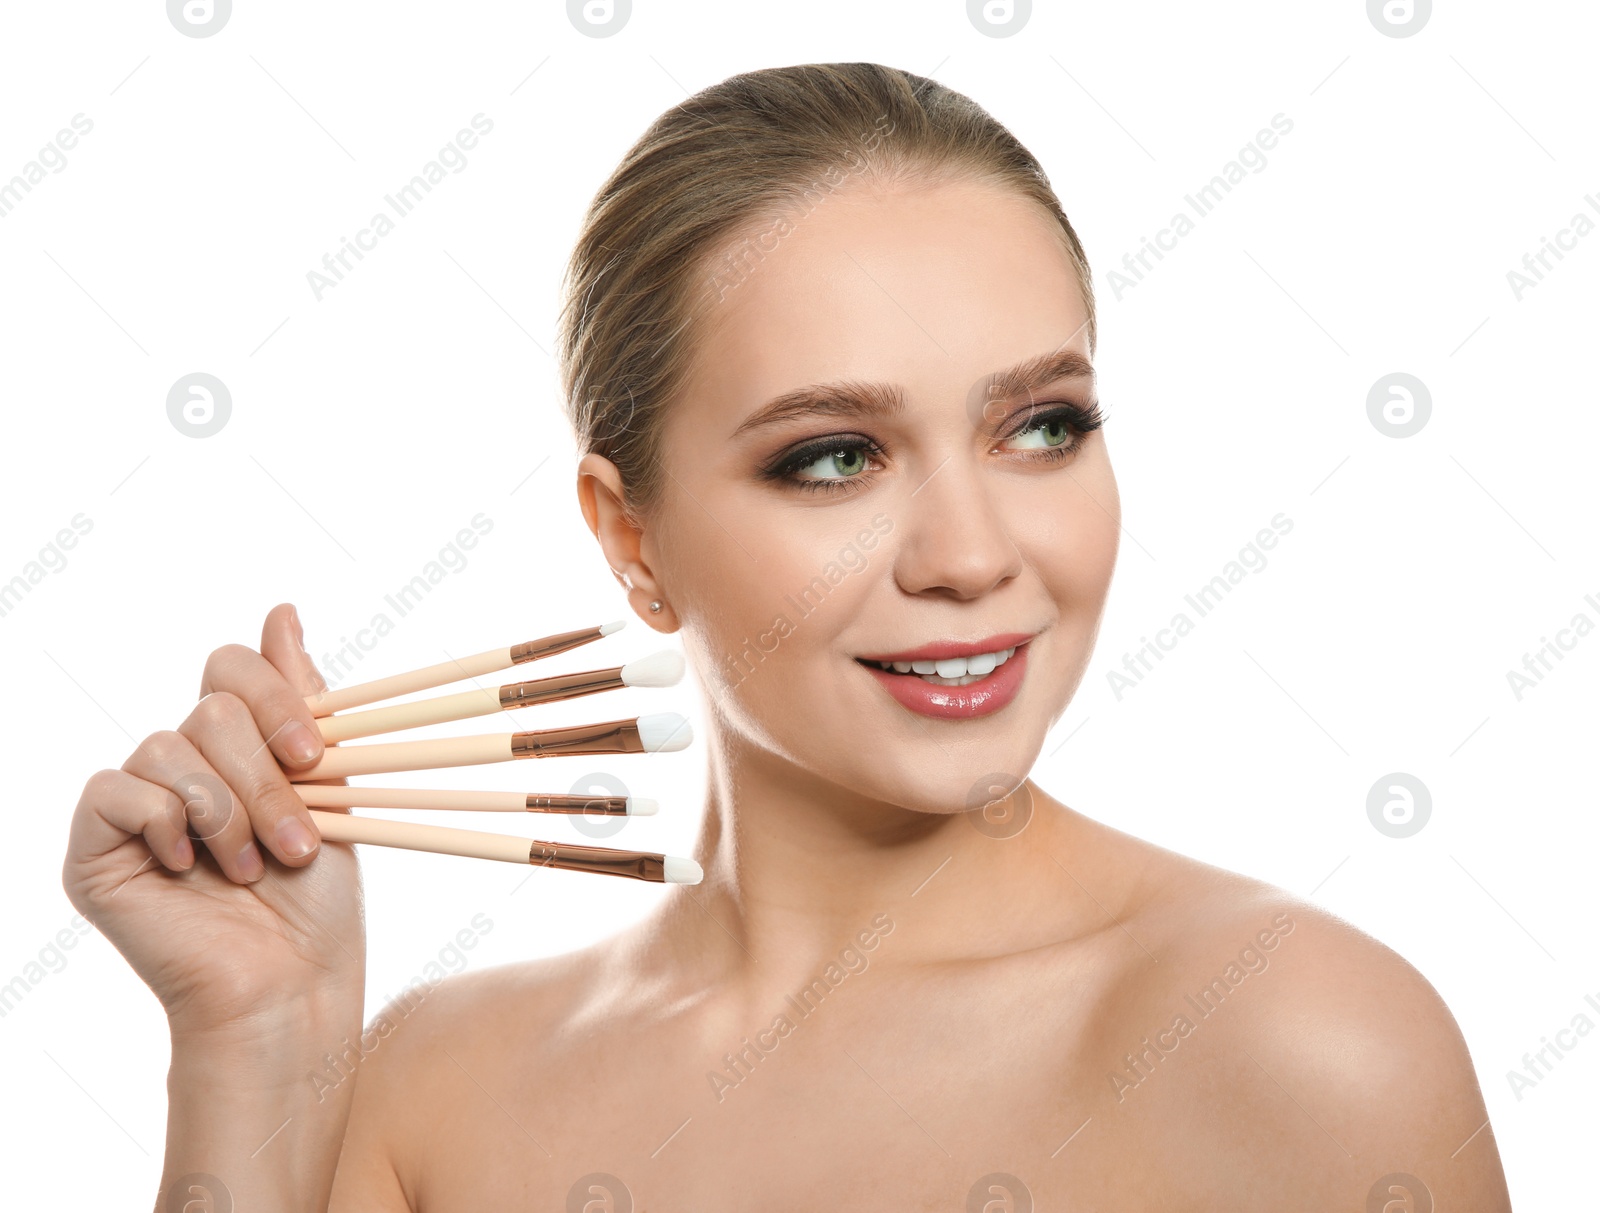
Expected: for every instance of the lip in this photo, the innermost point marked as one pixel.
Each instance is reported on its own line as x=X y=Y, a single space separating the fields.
x=988 y=695
x=941 y=649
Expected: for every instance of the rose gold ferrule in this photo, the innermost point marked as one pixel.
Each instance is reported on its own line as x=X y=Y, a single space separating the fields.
x=561 y=686
x=604 y=806
x=532 y=650
x=604 y=860
x=607 y=737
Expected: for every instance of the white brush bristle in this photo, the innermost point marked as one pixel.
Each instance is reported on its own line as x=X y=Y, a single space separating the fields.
x=663 y=732
x=614 y=626
x=661 y=669
x=682 y=871
x=642 y=806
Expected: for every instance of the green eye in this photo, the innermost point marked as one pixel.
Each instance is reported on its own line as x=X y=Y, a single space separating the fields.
x=1050 y=432
x=837 y=465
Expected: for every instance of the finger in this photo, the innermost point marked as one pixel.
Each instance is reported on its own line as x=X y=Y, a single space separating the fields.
x=216 y=817
x=116 y=806
x=283 y=643
x=224 y=731
x=278 y=710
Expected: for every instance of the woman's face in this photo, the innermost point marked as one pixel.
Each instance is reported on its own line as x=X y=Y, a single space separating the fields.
x=850 y=481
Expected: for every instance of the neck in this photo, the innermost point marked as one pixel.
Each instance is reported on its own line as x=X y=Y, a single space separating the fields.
x=796 y=868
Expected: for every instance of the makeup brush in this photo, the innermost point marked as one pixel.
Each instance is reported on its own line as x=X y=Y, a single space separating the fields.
x=661 y=669
x=659 y=732
x=443 y=840
x=339 y=796
x=325 y=703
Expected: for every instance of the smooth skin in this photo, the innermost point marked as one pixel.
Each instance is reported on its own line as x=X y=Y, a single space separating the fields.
x=984 y=989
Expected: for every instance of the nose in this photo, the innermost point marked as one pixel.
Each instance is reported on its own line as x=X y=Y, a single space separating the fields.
x=954 y=539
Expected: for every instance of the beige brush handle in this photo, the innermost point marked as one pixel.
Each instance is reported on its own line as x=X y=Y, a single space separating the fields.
x=337 y=796
x=409 y=756
x=462 y=706
x=441 y=840
x=328 y=702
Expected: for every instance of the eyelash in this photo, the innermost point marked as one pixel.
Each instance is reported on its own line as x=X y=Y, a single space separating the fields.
x=1083 y=421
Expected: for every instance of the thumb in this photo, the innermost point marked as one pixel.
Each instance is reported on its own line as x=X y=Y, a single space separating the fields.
x=283 y=644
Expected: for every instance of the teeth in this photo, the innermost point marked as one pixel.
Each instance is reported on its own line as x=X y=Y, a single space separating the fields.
x=952 y=671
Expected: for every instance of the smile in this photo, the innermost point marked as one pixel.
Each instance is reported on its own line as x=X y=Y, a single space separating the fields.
x=950 y=671
x=954 y=680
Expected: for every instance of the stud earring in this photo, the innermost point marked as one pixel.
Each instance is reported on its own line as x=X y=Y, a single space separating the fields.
x=655 y=606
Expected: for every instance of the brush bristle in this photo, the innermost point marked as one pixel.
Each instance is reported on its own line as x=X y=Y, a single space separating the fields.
x=663 y=732
x=677 y=870
x=614 y=626
x=642 y=806
x=661 y=669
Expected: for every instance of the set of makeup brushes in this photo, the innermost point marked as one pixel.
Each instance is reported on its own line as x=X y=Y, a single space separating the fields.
x=655 y=733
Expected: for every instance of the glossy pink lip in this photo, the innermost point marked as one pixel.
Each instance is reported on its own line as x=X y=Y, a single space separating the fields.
x=987 y=695
x=941 y=649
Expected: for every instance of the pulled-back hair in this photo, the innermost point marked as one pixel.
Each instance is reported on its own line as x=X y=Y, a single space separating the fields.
x=709 y=189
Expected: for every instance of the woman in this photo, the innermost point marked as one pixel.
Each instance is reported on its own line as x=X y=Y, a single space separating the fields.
x=828 y=352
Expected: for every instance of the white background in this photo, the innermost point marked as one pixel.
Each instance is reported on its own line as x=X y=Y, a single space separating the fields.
x=369 y=427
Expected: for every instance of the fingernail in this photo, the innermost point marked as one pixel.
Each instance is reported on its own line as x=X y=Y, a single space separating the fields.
x=298 y=742
x=185 y=850
x=250 y=865
x=294 y=840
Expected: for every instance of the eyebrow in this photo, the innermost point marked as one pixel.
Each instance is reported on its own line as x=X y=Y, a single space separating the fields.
x=852 y=398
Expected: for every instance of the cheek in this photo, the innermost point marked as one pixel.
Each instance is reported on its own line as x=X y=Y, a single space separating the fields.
x=1073 y=543
x=1099 y=540
x=744 y=590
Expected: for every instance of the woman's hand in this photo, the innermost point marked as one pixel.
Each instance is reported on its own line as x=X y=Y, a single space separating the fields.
x=239 y=940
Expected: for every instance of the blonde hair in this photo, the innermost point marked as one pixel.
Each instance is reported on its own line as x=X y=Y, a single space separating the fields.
x=694 y=204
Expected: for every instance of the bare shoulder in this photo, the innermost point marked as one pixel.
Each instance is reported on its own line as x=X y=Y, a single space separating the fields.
x=1321 y=1043
x=434 y=1061
x=470 y=1021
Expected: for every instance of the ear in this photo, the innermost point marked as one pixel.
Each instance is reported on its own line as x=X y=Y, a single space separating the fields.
x=600 y=496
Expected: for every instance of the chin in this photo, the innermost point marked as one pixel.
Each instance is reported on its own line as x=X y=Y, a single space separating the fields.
x=969 y=787
x=890 y=754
